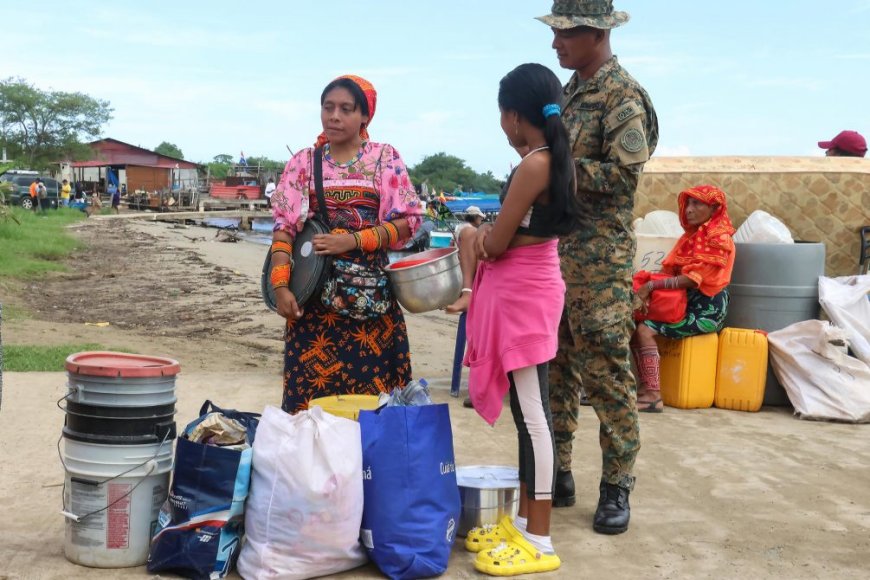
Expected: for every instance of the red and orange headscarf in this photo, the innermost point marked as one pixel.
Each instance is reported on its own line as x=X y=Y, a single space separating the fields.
x=710 y=242
x=371 y=100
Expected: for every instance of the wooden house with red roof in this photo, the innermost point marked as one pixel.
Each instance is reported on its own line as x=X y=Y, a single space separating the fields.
x=136 y=168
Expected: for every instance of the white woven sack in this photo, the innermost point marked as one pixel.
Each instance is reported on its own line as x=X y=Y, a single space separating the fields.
x=822 y=382
x=845 y=301
x=304 y=512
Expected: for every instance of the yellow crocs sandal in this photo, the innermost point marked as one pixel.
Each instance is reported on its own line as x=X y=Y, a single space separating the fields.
x=515 y=556
x=490 y=536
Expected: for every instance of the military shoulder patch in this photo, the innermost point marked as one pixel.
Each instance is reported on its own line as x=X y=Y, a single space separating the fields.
x=625 y=113
x=622 y=114
x=633 y=140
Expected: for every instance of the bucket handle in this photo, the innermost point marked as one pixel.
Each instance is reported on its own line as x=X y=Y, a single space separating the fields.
x=74 y=390
x=150 y=462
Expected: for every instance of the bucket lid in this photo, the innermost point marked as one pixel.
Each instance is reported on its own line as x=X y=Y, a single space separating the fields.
x=120 y=364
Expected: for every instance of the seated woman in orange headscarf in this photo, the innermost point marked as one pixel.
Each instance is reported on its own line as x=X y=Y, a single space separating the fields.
x=701 y=262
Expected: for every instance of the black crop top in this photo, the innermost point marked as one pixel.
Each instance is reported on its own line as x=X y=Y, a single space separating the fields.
x=539 y=222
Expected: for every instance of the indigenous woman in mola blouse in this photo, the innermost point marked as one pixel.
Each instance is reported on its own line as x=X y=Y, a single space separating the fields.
x=345 y=339
x=701 y=262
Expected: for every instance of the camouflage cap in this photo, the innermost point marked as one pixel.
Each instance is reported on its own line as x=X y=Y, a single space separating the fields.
x=594 y=13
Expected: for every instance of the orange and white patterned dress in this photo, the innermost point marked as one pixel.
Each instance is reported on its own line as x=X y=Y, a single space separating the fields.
x=326 y=353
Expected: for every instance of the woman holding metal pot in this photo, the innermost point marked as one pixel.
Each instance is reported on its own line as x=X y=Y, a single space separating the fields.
x=351 y=336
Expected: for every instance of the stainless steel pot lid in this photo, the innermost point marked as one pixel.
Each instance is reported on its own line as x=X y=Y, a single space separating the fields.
x=487 y=476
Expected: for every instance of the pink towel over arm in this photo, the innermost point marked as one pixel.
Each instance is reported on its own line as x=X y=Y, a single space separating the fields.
x=513 y=321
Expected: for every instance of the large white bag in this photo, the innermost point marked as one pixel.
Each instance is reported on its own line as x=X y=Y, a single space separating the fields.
x=822 y=381
x=659 y=222
x=762 y=228
x=845 y=300
x=304 y=510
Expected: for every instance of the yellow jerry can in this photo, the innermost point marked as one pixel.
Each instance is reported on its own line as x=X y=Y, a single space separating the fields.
x=741 y=372
x=688 y=370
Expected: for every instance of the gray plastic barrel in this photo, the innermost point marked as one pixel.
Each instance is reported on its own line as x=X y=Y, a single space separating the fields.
x=773 y=286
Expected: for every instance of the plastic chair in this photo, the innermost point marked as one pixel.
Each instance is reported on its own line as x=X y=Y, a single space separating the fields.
x=864 y=258
x=458 y=354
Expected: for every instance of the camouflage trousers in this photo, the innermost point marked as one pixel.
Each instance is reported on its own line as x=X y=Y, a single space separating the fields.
x=599 y=363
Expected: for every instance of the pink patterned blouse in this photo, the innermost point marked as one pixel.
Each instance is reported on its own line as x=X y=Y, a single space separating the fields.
x=371 y=189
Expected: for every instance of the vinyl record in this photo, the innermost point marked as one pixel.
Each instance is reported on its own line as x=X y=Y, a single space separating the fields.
x=309 y=269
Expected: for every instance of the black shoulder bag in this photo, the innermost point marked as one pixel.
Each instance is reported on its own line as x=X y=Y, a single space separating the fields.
x=310 y=270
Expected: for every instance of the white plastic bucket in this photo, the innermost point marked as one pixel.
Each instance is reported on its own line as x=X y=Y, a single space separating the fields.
x=112 y=495
x=120 y=392
x=117 y=379
x=651 y=251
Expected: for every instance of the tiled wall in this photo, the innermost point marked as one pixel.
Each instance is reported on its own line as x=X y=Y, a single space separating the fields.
x=819 y=199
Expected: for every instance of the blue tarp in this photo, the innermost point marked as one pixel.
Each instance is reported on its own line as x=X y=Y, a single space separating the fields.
x=487 y=202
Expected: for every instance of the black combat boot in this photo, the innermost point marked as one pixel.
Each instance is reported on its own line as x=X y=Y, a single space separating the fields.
x=564 y=494
x=613 y=511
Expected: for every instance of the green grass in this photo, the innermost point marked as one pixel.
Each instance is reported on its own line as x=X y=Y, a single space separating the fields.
x=39 y=244
x=12 y=312
x=44 y=358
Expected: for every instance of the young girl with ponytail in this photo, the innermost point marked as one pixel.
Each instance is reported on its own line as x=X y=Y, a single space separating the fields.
x=513 y=318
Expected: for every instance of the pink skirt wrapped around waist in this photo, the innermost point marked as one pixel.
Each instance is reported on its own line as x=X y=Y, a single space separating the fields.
x=513 y=320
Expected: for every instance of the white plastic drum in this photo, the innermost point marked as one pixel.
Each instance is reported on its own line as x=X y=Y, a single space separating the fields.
x=115 y=492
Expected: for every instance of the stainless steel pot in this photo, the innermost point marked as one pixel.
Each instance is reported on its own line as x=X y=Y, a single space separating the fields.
x=431 y=284
x=488 y=493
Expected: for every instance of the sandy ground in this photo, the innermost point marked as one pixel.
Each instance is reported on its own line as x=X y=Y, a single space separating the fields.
x=720 y=494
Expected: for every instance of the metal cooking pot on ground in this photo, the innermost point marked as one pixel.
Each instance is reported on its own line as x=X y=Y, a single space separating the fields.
x=426 y=281
x=488 y=493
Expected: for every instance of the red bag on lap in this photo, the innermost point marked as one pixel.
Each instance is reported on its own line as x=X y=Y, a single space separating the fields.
x=667 y=306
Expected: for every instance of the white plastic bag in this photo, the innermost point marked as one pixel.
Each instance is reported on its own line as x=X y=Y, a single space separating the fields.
x=821 y=380
x=304 y=511
x=762 y=228
x=845 y=300
x=659 y=222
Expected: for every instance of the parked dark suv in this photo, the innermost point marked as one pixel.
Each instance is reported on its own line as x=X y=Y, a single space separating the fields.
x=22 y=180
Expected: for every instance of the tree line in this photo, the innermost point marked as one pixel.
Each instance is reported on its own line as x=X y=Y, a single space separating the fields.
x=39 y=127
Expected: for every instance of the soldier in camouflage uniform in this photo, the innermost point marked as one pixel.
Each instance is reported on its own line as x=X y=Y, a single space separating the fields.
x=613 y=131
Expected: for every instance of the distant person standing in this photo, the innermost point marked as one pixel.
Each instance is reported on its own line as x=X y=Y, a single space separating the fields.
x=41 y=196
x=65 y=191
x=464 y=236
x=242 y=161
x=845 y=144
x=270 y=189
x=116 y=200
x=34 y=194
x=613 y=131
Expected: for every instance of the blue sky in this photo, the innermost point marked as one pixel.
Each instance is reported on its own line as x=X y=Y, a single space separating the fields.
x=727 y=78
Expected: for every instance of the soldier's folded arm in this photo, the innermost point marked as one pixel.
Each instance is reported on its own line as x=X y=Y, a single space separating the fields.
x=625 y=150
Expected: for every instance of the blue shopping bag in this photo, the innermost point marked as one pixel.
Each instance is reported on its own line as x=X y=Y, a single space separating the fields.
x=200 y=526
x=411 y=499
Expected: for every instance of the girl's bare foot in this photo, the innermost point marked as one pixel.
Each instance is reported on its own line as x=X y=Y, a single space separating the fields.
x=461 y=304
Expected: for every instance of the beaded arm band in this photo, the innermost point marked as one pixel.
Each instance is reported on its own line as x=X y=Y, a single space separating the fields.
x=373 y=239
x=285 y=247
x=280 y=276
x=666 y=284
